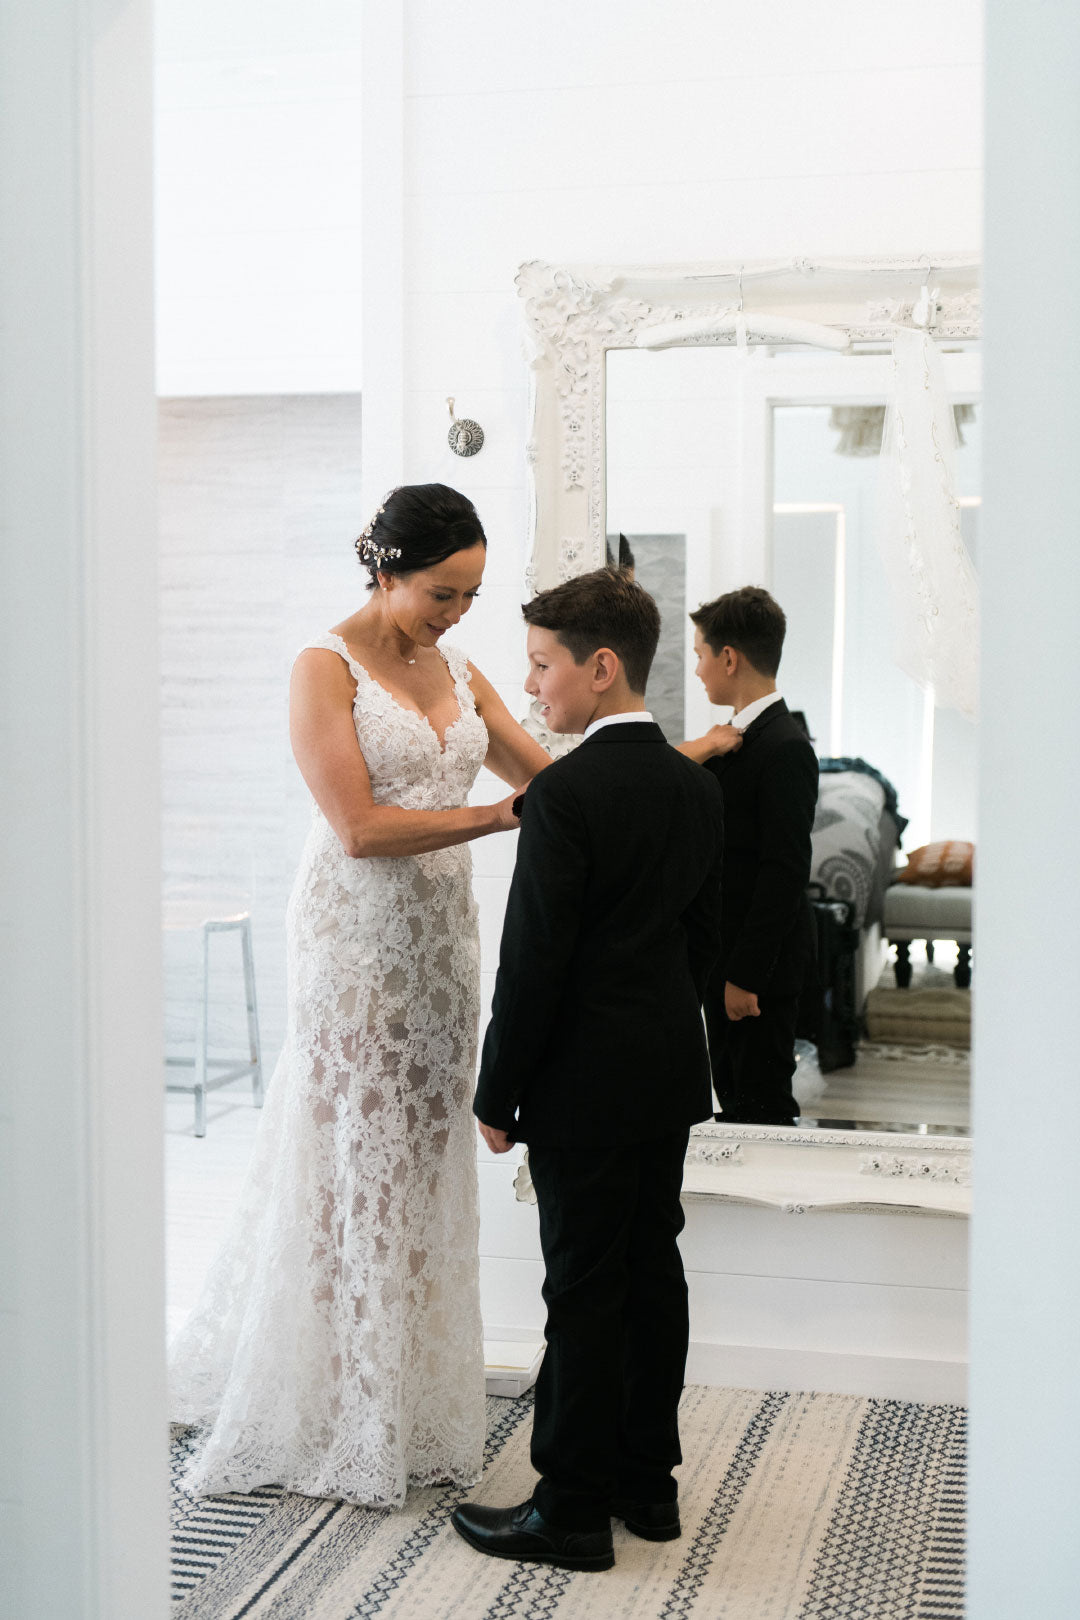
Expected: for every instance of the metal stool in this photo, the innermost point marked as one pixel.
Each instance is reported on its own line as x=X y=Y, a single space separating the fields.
x=191 y=916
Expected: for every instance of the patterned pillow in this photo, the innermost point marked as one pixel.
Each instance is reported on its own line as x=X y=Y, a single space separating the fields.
x=940 y=866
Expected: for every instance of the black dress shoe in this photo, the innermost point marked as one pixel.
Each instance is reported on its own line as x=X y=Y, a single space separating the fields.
x=652 y=1521
x=523 y=1533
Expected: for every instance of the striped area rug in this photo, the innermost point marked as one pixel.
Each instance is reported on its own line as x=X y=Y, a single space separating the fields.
x=794 y=1507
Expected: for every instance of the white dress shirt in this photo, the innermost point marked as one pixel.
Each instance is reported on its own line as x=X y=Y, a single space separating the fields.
x=747 y=716
x=616 y=720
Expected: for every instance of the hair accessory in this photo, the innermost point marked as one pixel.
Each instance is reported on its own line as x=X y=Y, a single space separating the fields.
x=371 y=555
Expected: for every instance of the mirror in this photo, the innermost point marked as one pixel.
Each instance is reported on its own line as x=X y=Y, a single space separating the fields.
x=729 y=456
x=672 y=445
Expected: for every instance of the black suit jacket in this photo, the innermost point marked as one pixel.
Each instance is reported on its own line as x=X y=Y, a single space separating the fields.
x=770 y=793
x=611 y=931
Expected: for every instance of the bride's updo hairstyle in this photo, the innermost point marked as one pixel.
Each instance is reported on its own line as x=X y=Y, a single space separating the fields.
x=417 y=526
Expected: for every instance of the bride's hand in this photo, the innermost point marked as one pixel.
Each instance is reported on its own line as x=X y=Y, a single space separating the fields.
x=723 y=739
x=509 y=819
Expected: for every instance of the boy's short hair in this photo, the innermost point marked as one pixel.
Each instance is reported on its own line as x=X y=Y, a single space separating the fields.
x=603 y=609
x=750 y=621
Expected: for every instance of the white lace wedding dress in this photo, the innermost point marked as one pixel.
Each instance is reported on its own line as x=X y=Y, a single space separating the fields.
x=337 y=1346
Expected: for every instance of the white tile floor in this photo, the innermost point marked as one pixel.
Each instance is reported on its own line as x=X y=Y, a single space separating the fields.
x=202 y=1181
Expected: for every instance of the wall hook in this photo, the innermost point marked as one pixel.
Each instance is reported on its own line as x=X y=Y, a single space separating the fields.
x=465 y=437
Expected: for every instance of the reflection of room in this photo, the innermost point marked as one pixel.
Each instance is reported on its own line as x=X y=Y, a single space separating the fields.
x=912 y=1065
x=837 y=664
x=685 y=427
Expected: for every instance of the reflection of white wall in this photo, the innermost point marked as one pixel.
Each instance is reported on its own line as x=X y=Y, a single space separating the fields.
x=673 y=444
x=257 y=184
x=807 y=557
x=883 y=709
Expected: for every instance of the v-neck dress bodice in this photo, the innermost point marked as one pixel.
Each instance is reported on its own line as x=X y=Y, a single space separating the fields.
x=405 y=759
x=337 y=1347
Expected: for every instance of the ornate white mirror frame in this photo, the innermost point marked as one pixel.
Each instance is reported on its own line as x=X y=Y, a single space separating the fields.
x=574 y=315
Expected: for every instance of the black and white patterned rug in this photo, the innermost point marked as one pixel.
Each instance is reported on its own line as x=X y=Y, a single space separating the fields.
x=794 y=1507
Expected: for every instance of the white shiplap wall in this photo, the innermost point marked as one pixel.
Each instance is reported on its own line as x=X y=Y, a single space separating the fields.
x=259 y=499
x=624 y=131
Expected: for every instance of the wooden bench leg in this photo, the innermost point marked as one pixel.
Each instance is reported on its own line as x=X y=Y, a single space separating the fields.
x=962 y=970
x=902 y=965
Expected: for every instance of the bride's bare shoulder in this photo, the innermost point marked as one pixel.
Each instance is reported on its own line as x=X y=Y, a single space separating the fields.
x=322 y=670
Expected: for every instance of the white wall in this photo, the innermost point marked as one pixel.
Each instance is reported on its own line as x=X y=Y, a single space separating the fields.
x=623 y=131
x=257 y=190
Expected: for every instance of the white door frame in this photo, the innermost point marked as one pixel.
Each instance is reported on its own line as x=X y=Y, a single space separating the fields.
x=83 y=1475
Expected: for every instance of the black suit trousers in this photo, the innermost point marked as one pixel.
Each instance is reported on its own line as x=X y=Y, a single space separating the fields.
x=607 y=1398
x=753 y=1060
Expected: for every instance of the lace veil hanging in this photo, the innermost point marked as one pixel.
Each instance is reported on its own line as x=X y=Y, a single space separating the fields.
x=931 y=577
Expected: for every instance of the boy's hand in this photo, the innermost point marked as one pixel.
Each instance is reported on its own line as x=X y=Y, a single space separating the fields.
x=497 y=1140
x=740 y=1003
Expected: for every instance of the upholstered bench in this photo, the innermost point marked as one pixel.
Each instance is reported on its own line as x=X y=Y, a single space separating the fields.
x=913 y=911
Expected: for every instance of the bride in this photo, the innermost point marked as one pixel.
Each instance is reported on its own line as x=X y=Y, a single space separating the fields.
x=337 y=1346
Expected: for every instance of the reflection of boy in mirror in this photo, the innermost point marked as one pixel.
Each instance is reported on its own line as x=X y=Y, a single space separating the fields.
x=596 y=1057
x=768 y=771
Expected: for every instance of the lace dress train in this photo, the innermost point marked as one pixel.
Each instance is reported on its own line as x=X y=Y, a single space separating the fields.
x=337 y=1346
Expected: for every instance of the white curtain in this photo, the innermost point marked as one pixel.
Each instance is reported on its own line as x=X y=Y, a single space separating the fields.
x=931 y=576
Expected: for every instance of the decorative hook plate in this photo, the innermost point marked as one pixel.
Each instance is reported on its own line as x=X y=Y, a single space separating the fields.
x=465 y=437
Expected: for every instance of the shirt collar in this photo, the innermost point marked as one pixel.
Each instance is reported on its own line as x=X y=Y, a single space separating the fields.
x=747 y=716
x=616 y=720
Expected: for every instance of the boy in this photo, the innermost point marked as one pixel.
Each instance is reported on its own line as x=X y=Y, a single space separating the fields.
x=770 y=792
x=596 y=1057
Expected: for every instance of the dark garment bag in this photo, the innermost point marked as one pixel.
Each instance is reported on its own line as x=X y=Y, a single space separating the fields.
x=828 y=1015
